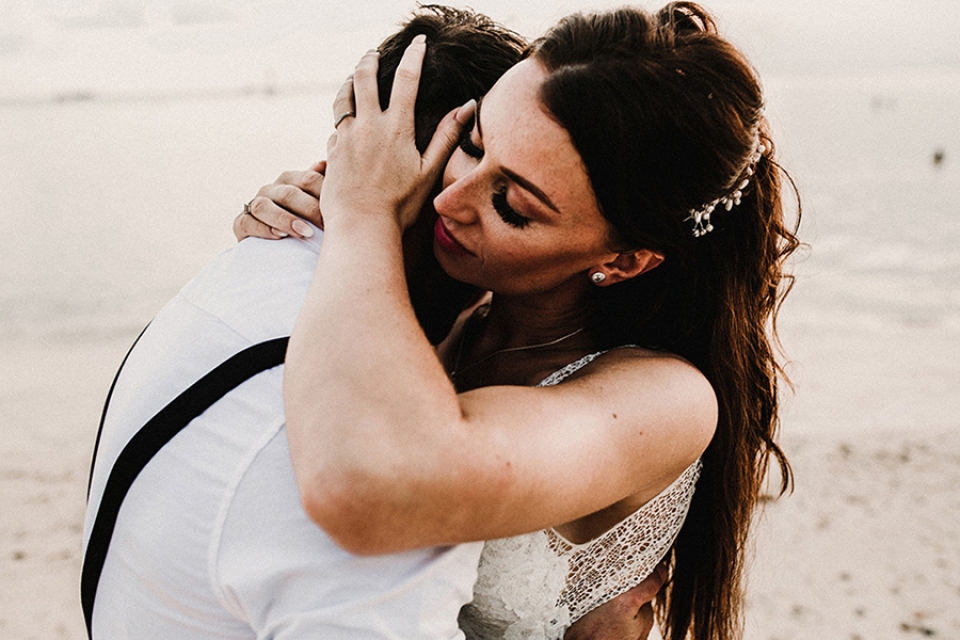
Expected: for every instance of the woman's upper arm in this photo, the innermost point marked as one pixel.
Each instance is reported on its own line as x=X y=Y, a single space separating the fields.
x=522 y=459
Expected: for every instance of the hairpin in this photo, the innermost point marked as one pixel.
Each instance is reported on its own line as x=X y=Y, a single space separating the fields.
x=701 y=216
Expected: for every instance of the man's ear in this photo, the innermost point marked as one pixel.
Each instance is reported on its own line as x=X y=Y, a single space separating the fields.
x=626 y=265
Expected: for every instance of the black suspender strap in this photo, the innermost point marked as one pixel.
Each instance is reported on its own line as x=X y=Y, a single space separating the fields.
x=106 y=405
x=151 y=438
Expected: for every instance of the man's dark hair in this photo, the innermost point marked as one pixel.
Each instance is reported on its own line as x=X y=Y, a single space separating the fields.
x=467 y=53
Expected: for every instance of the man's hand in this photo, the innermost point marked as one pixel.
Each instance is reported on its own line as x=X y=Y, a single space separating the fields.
x=629 y=616
x=278 y=207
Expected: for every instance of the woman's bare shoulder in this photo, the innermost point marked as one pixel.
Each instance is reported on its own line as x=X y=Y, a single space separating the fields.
x=664 y=392
x=650 y=368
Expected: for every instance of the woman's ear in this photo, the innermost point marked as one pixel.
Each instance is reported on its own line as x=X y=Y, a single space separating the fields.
x=624 y=266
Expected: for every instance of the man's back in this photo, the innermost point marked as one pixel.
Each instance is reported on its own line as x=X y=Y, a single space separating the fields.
x=212 y=541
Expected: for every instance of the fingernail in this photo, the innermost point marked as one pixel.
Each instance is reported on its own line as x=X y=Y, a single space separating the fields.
x=278 y=233
x=302 y=228
x=419 y=39
x=466 y=112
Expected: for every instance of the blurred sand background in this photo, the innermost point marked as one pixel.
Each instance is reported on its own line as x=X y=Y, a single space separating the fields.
x=131 y=132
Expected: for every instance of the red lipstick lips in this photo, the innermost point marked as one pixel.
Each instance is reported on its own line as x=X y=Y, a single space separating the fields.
x=446 y=241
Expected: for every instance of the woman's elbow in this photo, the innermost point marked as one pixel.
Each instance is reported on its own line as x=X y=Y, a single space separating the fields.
x=336 y=507
x=357 y=510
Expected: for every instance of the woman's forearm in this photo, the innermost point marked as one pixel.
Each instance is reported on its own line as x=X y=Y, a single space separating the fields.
x=363 y=387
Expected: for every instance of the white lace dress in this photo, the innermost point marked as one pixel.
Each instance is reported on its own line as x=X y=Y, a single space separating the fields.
x=534 y=586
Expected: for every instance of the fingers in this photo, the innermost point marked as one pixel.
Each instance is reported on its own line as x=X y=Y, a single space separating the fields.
x=445 y=138
x=464 y=114
x=647 y=590
x=406 y=82
x=660 y=575
x=277 y=209
x=374 y=163
x=246 y=226
x=343 y=102
x=360 y=93
x=365 y=92
x=309 y=182
x=610 y=621
x=645 y=620
x=283 y=207
x=331 y=144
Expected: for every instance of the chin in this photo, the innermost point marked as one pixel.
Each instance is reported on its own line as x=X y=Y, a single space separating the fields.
x=450 y=267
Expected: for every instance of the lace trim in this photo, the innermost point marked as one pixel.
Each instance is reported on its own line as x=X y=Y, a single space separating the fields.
x=622 y=557
x=534 y=586
x=559 y=375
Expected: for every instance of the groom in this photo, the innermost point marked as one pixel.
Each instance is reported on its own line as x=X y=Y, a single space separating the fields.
x=211 y=540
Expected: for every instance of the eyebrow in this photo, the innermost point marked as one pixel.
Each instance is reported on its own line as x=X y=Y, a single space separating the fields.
x=520 y=180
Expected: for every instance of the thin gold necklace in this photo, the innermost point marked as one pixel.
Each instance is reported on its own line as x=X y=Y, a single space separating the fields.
x=463 y=338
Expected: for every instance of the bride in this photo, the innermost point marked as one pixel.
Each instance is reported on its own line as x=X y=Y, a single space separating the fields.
x=616 y=192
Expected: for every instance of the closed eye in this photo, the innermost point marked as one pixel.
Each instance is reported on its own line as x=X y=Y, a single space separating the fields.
x=506 y=212
x=466 y=144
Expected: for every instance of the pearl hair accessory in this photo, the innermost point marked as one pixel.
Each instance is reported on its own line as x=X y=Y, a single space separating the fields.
x=701 y=217
x=598 y=277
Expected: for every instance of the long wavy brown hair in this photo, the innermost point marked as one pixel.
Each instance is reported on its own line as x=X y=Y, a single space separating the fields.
x=666 y=115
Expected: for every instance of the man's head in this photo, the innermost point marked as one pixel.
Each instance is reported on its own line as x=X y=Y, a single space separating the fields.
x=466 y=54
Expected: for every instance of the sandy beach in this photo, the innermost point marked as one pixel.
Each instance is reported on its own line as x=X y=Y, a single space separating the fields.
x=51 y=393
x=868 y=546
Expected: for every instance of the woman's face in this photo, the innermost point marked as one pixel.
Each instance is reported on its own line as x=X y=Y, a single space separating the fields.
x=517 y=212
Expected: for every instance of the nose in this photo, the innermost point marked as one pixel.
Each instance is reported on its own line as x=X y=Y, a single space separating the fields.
x=461 y=197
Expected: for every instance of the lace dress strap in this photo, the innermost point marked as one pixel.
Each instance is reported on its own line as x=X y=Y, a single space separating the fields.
x=561 y=374
x=534 y=586
x=619 y=559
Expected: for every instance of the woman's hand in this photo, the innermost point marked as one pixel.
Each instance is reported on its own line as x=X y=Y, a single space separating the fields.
x=278 y=207
x=375 y=169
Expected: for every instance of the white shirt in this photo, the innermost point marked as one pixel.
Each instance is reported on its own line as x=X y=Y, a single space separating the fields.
x=212 y=540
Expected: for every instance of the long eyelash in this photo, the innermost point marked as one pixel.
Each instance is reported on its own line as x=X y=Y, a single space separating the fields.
x=506 y=212
x=466 y=144
x=500 y=204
